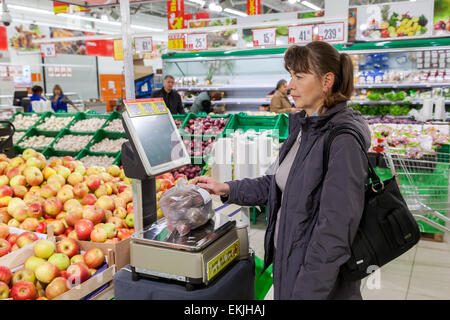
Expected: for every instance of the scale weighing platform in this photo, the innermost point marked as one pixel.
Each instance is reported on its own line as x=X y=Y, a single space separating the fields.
x=157 y=251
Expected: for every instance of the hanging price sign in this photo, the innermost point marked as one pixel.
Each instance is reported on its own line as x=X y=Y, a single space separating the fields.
x=331 y=32
x=48 y=50
x=197 y=41
x=143 y=44
x=301 y=34
x=264 y=37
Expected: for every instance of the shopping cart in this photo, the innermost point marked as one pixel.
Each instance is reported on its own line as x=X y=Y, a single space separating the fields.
x=424 y=184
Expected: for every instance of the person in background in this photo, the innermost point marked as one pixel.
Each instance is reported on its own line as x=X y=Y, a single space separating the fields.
x=312 y=215
x=280 y=102
x=60 y=101
x=35 y=99
x=203 y=101
x=170 y=96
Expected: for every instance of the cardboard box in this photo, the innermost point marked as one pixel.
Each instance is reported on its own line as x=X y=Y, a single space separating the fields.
x=120 y=250
x=142 y=71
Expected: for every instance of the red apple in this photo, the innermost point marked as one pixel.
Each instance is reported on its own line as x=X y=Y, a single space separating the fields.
x=116 y=221
x=72 y=235
x=68 y=246
x=48 y=191
x=41 y=227
x=20 y=191
x=89 y=199
x=83 y=229
x=99 y=235
x=57 y=287
x=5 y=247
x=74 y=215
x=53 y=206
x=105 y=202
x=77 y=273
x=12 y=238
x=58 y=227
x=80 y=189
x=93 y=182
x=26 y=238
x=46 y=272
x=24 y=290
x=35 y=210
x=4 y=215
x=29 y=224
x=94 y=257
x=5 y=274
x=4 y=230
x=6 y=191
x=96 y=215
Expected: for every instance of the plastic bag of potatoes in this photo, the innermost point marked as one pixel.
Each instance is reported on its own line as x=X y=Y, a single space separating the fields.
x=186 y=207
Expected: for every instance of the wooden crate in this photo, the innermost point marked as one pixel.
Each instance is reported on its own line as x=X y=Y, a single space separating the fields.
x=436 y=237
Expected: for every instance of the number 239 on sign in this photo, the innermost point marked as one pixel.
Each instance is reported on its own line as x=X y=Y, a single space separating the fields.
x=264 y=37
x=331 y=32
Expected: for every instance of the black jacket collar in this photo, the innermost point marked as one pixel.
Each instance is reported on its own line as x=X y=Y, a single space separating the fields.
x=300 y=120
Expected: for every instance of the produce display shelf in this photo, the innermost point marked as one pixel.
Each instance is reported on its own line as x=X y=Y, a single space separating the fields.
x=84 y=116
x=51 y=152
x=35 y=132
x=26 y=114
x=58 y=115
x=204 y=137
x=102 y=134
x=389 y=102
x=243 y=122
x=403 y=85
x=118 y=160
x=65 y=132
x=112 y=116
x=224 y=87
x=85 y=152
x=235 y=101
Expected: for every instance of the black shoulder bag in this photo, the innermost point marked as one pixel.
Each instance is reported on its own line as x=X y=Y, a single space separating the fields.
x=387 y=228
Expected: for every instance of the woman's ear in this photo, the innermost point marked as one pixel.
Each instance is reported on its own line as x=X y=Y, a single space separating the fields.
x=328 y=81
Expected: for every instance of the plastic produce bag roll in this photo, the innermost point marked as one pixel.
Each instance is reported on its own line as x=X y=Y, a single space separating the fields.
x=221 y=169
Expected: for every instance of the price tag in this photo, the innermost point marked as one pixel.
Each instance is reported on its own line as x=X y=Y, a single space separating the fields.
x=48 y=50
x=197 y=41
x=331 y=32
x=264 y=37
x=301 y=34
x=143 y=44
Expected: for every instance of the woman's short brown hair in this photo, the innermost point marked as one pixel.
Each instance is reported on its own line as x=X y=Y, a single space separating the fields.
x=319 y=58
x=57 y=87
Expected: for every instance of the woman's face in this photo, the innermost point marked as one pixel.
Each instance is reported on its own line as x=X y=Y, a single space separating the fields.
x=307 y=90
x=57 y=92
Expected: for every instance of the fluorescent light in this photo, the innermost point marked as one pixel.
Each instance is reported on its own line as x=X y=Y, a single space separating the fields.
x=236 y=12
x=200 y=2
x=292 y=1
x=146 y=28
x=215 y=7
x=310 y=5
x=34 y=10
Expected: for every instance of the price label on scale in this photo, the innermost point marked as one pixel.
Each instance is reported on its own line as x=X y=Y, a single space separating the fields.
x=264 y=37
x=331 y=32
x=48 y=50
x=143 y=44
x=197 y=41
x=301 y=34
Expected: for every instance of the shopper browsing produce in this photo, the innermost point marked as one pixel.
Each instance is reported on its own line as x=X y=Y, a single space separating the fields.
x=203 y=101
x=311 y=222
x=170 y=96
x=60 y=101
x=280 y=102
x=36 y=99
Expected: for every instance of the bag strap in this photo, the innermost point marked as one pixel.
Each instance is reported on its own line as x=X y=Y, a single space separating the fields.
x=358 y=136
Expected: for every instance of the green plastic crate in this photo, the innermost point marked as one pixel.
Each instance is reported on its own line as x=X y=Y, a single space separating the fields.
x=102 y=134
x=193 y=116
x=118 y=160
x=58 y=115
x=112 y=116
x=65 y=132
x=51 y=152
x=35 y=132
x=25 y=114
x=264 y=281
x=84 y=116
x=283 y=127
x=86 y=152
x=258 y=123
x=444 y=153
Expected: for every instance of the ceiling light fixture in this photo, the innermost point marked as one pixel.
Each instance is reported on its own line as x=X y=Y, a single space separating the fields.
x=236 y=12
x=215 y=7
x=310 y=5
x=292 y=1
x=200 y=2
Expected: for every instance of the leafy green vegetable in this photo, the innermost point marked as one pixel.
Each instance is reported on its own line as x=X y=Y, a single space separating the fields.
x=401 y=95
x=374 y=96
x=390 y=96
x=393 y=19
x=282 y=31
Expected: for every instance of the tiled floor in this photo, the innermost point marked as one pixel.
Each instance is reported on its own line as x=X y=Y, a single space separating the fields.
x=422 y=273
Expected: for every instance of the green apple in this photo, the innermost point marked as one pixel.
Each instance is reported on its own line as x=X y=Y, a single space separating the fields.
x=129 y=220
x=44 y=249
x=63 y=171
x=23 y=275
x=80 y=169
x=33 y=262
x=77 y=258
x=60 y=260
x=110 y=229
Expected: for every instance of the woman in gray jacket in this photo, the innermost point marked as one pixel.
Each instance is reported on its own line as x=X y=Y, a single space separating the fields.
x=312 y=220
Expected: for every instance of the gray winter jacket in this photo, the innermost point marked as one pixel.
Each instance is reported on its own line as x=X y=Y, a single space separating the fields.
x=318 y=221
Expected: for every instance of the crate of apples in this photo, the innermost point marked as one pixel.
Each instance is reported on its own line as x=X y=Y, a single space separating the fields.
x=36 y=192
x=51 y=270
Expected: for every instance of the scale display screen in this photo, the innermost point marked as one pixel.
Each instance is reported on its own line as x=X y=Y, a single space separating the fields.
x=155 y=135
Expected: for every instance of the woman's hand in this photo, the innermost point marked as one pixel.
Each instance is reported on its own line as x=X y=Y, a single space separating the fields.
x=212 y=186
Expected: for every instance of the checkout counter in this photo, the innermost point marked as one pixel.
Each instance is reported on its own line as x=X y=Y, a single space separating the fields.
x=211 y=262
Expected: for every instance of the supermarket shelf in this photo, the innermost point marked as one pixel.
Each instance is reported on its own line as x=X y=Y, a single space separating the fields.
x=236 y=101
x=226 y=87
x=403 y=85
x=389 y=102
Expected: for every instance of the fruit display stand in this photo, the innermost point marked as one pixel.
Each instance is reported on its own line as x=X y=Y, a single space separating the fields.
x=33 y=132
x=47 y=115
x=244 y=122
x=84 y=116
x=194 y=116
x=86 y=152
x=112 y=116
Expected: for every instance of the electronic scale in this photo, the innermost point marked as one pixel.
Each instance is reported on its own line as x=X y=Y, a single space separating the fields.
x=156 y=248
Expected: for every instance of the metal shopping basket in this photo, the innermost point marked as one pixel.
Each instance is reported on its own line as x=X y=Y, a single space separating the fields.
x=424 y=184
